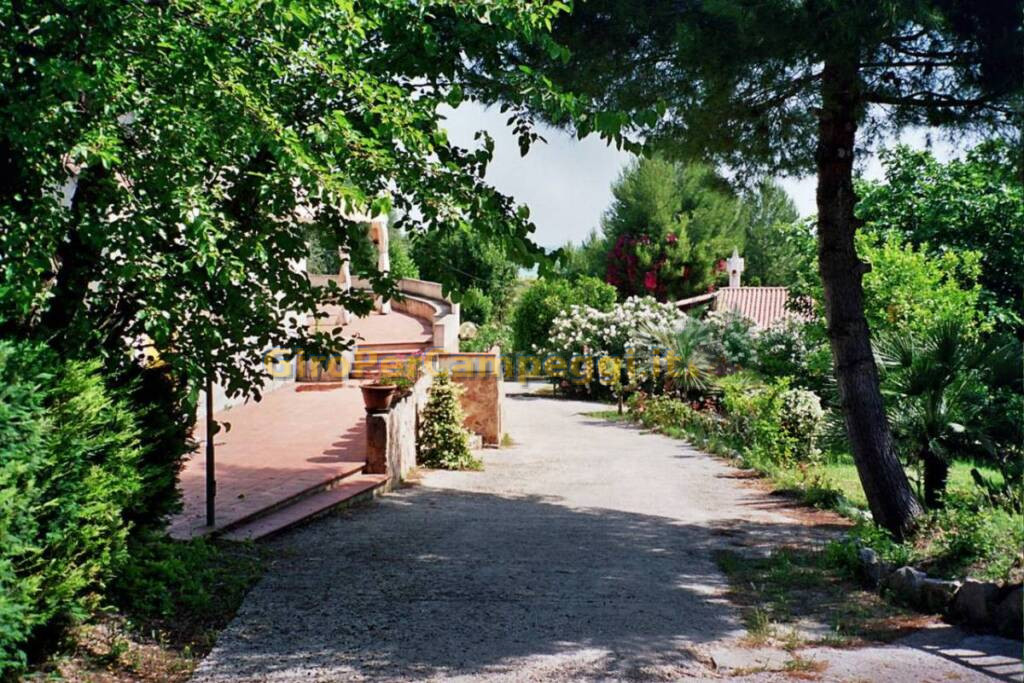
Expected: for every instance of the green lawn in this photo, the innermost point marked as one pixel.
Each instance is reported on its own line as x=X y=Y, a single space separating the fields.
x=842 y=473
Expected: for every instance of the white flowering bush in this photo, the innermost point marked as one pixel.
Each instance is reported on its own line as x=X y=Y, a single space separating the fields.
x=612 y=333
x=794 y=349
x=619 y=336
x=803 y=418
x=731 y=340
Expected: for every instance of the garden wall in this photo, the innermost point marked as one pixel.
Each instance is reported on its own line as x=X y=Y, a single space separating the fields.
x=480 y=375
x=391 y=436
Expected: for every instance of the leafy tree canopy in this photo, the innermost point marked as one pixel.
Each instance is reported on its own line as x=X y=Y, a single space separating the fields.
x=975 y=203
x=324 y=257
x=678 y=220
x=546 y=299
x=911 y=292
x=668 y=226
x=771 y=251
x=586 y=258
x=462 y=261
x=740 y=82
x=159 y=162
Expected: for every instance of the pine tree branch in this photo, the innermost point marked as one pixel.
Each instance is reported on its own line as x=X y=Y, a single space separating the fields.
x=932 y=99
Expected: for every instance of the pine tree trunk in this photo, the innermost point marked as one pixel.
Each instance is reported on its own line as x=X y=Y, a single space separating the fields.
x=888 y=492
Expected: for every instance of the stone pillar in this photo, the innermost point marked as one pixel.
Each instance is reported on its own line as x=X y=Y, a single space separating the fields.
x=377 y=443
x=345 y=283
x=379 y=234
x=391 y=434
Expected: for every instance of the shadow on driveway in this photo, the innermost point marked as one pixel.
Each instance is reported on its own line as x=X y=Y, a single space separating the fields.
x=442 y=582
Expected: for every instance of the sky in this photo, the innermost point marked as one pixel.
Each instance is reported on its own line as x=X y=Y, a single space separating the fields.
x=566 y=183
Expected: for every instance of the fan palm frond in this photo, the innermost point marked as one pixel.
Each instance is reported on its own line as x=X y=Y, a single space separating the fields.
x=688 y=367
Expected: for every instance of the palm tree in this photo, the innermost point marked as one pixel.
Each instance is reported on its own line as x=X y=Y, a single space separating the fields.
x=1003 y=440
x=936 y=392
x=686 y=365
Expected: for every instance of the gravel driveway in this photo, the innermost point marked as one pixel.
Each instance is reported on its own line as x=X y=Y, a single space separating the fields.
x=582 y=552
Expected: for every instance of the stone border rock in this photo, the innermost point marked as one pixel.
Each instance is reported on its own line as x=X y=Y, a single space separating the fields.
x=982 y=605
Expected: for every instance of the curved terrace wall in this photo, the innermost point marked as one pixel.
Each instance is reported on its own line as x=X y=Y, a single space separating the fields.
x=422 y=299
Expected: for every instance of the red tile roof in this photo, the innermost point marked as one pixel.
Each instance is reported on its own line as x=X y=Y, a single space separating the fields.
x=764 y=306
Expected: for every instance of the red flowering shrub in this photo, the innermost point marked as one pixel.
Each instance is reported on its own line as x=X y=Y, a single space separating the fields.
x=642 y=266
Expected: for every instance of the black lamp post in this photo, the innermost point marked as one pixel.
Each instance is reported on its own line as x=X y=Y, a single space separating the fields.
x=211 y=481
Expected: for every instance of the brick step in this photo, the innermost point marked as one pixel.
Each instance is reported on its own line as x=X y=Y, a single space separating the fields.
x=376 y=357
x=419 y=343
x=374 y=363
x=370 y=370
x=348 y=470
x=363 y=358
x=363 y=374
x=394 y=347
x=378 y=367
x=368 y=373
x=352 y=490
x=306 y=385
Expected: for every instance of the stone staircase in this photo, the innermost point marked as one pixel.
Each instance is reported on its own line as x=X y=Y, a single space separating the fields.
x=351 y=487
x=372 y=358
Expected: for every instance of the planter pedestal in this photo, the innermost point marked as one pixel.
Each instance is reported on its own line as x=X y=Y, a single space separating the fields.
x=377 y=442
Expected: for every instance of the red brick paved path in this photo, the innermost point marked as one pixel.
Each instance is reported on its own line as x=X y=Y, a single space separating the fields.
x=278 y=448
x=289 y=443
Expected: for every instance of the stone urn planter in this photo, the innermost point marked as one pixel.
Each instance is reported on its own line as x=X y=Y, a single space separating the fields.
x=377 y=396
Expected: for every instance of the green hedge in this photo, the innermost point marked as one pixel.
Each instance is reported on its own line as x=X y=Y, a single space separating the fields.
x=539 y=305
x=765 y=423
x=475 y=306
x=165 y=414
x=69 y=469
x=755 y=419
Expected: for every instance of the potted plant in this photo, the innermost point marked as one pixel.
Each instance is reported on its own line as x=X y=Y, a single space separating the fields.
x=403 y=384
x=377 y=395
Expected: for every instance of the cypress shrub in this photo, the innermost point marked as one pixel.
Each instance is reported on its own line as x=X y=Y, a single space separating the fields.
x=68 y=469
x=166 y=415
x=443 y=441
